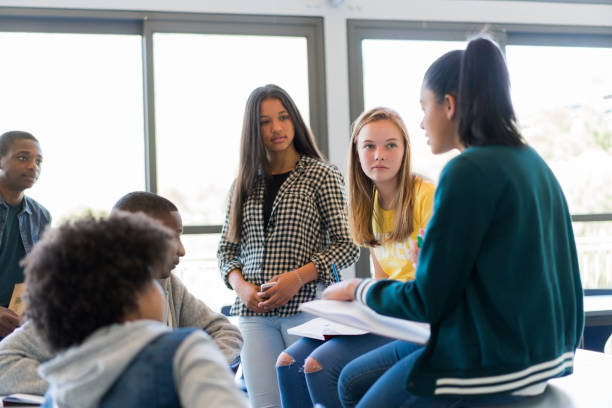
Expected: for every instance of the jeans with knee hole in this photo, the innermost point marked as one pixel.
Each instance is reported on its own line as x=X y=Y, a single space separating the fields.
x=377 y=379
x=265 y=337
x=300 y=389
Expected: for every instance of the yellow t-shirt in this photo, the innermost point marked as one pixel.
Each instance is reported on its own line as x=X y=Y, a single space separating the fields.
x=393 y=256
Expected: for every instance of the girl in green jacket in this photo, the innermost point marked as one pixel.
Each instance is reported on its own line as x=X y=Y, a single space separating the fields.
x=497 y=277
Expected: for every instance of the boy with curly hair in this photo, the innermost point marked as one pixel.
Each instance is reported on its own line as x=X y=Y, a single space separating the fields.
x=22 y=352
x=93 y=296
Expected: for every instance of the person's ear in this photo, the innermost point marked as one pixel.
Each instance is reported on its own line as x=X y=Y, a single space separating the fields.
x=450 y=106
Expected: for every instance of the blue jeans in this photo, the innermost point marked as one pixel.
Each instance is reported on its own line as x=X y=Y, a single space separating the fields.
x=299 y=389
x=377 y=379
x=264 y=339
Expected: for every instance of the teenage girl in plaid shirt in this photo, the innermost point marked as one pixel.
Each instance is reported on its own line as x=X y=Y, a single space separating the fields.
x=286 y=224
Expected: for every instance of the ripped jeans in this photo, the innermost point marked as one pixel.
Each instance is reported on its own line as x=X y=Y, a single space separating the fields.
x=264 y=339
x=304 y=389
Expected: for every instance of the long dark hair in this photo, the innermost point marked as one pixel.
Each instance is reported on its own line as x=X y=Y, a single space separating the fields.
x=253 y=153
x=478 y=79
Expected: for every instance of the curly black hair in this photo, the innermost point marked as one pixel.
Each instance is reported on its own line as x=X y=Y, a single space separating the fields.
x=83 y=275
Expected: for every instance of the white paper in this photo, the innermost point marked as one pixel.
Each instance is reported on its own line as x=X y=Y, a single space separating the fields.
x=26 y=399
x=356 y=315
x=319 y=328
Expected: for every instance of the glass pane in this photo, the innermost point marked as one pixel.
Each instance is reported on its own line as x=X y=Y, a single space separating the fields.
x=201 y=86
x=563 y=99
x=393 y=72
x=594 y=244
x=81 y=96
x=199 y=272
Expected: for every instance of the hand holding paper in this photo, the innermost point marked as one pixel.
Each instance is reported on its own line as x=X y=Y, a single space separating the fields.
x=344 y=290
x=356 y=315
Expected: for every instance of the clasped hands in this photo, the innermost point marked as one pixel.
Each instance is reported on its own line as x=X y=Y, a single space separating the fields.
x=287 y=285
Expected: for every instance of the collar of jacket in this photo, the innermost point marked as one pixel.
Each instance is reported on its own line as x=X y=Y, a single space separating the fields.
x=25 y=204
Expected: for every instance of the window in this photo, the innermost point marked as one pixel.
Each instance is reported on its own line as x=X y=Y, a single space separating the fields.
x=563 y=99
x=567 y=118
x=562 y=92
x=202 y=84
x=124 y=101
x=199 y=271
x=81 y=96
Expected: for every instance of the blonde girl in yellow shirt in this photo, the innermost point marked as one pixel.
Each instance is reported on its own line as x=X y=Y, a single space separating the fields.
x=389 y=207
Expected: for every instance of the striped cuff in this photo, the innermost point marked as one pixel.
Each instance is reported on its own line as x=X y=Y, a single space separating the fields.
x=508 y=382
x=361 y=291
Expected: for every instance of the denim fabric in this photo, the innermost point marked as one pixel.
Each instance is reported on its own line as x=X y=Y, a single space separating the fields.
x=291 y=381
x=377 y=379
x=33 y=219
x=149 y=380
x=300 y=389
x=264 y=339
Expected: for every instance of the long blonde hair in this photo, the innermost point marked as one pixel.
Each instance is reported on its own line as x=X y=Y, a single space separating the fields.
x=362 y=189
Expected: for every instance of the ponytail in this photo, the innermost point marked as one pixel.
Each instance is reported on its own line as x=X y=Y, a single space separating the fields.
x=485 y=112
x=479 y=81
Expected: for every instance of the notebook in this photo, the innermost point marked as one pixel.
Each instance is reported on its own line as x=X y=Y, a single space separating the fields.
x=359 y=316
x=323 y=329
x=22 y=400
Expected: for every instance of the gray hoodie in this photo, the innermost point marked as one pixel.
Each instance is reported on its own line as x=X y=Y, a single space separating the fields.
x=81 y=375
x=23 y=350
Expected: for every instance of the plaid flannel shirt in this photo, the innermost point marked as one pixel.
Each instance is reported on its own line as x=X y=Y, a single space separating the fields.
x=308 y=224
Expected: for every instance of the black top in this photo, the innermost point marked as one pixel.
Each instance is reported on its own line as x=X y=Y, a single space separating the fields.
x=11 y=252
x=273 y=184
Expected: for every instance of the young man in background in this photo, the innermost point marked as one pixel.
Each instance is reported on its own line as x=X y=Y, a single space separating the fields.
x=22 y=219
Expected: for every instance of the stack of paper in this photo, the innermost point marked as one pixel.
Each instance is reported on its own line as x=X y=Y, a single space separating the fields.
x=22 y=400
x=323 y=329
x=359 y=316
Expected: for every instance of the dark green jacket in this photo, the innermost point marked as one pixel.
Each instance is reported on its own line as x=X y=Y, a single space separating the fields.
x=497 y=279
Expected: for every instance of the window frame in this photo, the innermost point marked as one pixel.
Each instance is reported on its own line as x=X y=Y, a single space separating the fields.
x=146 y=23
x=568 y=1
x=506 y=34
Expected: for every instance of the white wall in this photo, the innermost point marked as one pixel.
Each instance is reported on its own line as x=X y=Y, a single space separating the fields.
x=489 y=11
